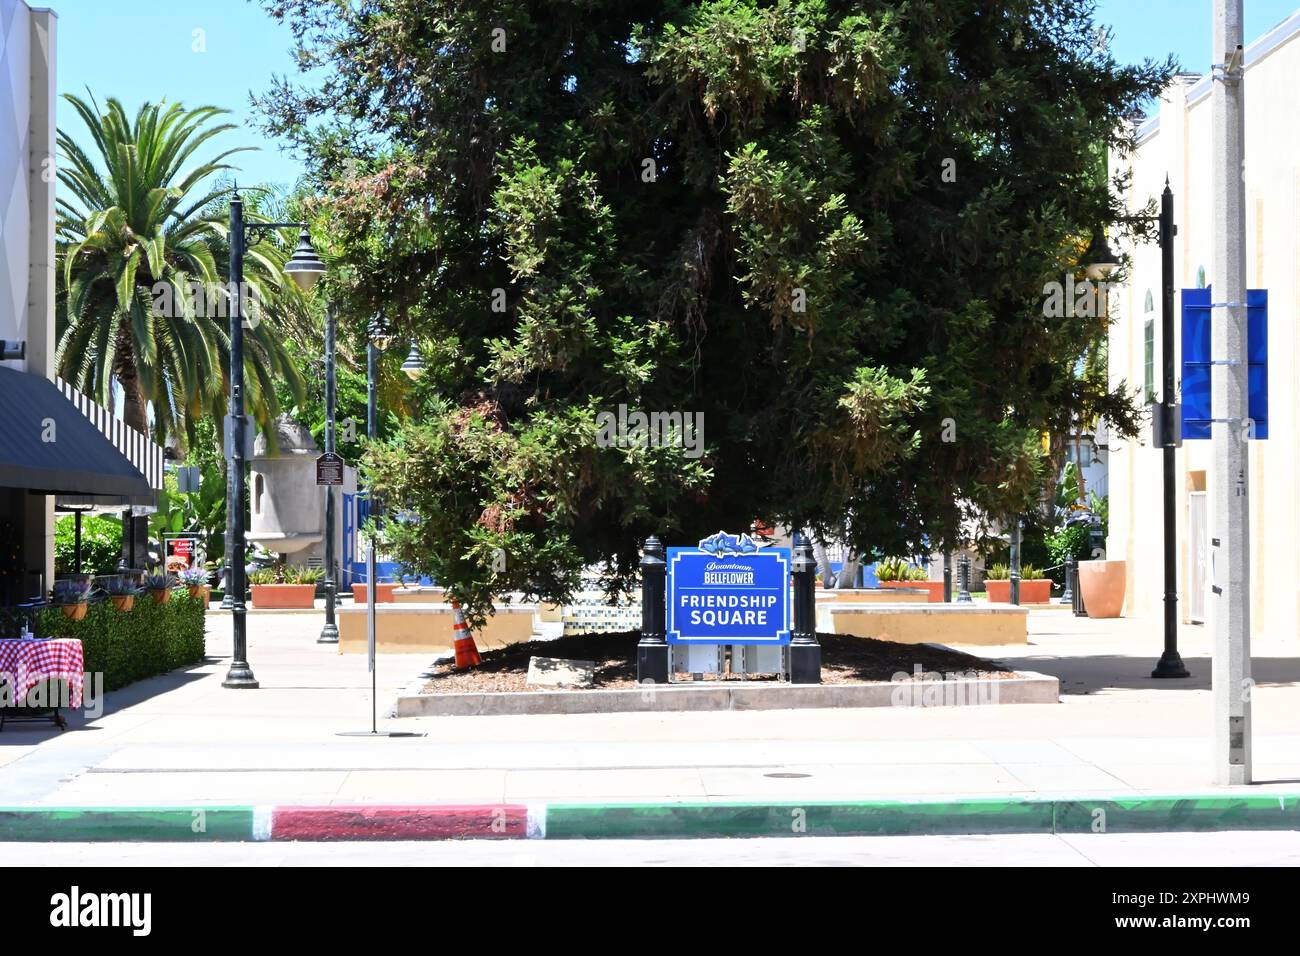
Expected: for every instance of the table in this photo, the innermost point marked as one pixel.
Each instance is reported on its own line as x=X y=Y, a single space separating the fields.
x=26 y=663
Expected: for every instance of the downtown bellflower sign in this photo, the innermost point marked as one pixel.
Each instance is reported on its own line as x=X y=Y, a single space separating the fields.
x=728 y=590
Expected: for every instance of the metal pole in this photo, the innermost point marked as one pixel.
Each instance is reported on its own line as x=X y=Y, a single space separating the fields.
x=1170 y=663
x=652 y=649
x=947 y=577
x=1067 y=596
x=805 y=651
x=1230 y=544
x=329 y=634
x=239 y=675
x=1015 y=560
x=76 y=527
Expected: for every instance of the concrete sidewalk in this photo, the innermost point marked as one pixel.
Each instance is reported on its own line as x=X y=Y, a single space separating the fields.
x=183 y=740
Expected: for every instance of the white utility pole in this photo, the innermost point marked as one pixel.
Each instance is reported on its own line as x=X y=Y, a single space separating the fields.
x=1230 y=544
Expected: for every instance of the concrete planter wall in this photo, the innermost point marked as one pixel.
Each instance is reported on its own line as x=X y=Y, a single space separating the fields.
x=1032 y=591
x=933 y=588
x=284 y=595
x=383 y=593
x=1102 y=585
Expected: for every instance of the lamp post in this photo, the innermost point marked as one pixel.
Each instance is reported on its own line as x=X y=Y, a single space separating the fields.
x=329 y=633
x=304 y=267
x=1099 y=262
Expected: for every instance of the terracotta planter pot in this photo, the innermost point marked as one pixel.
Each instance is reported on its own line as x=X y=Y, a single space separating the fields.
x=384 y=593
x=284 y=595
x=75 y=611
x=1032 y=591
x=160 y=595
x=123 y=602
x=201 y=591
x=933 y=588
x=1102 y=585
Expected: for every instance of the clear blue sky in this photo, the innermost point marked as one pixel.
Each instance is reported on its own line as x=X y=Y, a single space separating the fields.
x=139 y=50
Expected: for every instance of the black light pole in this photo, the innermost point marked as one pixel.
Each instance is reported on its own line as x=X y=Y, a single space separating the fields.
x=305 y=267
x=1100 y=262
x=1170 y=663
x=329 y=634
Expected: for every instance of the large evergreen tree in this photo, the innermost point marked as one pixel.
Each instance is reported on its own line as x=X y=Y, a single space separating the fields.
x=824 y=225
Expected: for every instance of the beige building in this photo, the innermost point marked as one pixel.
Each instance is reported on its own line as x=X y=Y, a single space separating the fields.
x=1177 y=141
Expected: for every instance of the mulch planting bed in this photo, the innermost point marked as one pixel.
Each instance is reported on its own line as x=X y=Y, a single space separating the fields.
x=845 y=660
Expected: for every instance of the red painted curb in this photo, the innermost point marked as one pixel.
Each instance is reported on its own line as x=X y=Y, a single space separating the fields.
x=447 y=822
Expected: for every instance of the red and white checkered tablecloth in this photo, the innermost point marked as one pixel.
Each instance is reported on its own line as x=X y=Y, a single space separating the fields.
x=24 y=664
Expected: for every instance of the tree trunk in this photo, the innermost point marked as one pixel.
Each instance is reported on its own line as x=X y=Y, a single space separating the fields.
x=823 y=562
x=849 y=572
x=135 y=414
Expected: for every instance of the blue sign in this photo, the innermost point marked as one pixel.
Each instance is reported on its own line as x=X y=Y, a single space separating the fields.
x=728 y=591
x=1197 y=362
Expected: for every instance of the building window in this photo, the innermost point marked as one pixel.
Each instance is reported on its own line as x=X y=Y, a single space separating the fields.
x=1149 y=360
x=1200 y=277
x=259 y=486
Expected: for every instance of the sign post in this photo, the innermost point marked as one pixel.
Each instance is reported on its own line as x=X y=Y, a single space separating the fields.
x=329 y=469
x=728 y=592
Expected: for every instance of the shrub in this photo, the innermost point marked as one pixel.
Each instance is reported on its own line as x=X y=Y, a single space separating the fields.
x=1002 y=572
x=899 y=569
x=148 y=640
x=263 y=576
x=101 y=544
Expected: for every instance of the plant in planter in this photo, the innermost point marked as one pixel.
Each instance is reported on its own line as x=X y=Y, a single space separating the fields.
x=73 y=595
x=1034 y=587
x=281 y=586
x=896 y=572
x=159 y=585
x=196 y=580
x=121 y=591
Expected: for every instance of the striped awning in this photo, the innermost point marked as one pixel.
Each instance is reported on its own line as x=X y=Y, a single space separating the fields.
x=48 y=445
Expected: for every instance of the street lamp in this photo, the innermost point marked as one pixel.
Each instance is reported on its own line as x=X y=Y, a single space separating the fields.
x=329 y=632
x=414 y=364
x=1099 y=263
x=305 y=267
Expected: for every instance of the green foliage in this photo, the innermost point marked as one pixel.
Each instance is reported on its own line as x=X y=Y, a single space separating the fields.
x=728 y=207
x=101 y=544
x=142 y=255
x=286 y=574
x=127 y=646
x=1002 y=572
x=898 y=569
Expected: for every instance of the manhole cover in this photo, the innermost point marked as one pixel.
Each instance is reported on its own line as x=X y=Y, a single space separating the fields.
x=788 y=776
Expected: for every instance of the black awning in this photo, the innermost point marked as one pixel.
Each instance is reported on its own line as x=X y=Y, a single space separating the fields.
x=48 y=446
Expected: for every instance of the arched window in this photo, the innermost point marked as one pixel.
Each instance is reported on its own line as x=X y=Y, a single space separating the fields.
x=259 y=488
x=1200 y=277
x=1150 y=304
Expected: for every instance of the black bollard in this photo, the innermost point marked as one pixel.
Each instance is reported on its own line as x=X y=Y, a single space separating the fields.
x=963 y=576
x=652 y=649
x=805 y=652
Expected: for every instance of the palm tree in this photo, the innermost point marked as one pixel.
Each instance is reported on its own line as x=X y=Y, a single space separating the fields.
x=134 y=232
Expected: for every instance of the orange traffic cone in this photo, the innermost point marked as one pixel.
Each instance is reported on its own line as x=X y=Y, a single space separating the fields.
x=466 y=649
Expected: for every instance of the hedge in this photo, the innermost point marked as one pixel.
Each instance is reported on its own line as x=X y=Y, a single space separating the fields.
x=127 y=646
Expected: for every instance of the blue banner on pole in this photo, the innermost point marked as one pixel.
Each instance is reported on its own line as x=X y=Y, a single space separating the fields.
x=728 y=591
x=1197 y=412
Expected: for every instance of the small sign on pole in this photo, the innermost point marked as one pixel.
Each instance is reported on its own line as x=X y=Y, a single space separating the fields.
x=329 y=469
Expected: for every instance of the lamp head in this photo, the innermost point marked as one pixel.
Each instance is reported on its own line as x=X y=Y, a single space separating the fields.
x=414 y=364
x=1099 y=262
x=304 y=267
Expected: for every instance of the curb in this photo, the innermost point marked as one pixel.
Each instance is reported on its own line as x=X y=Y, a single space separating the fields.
x=1028 y=688
x=591 y=821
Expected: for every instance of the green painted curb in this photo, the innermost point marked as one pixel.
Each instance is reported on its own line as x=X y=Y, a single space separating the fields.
x=612 y=821
x=900 y=818
x=123 y=824
x=1167 y=814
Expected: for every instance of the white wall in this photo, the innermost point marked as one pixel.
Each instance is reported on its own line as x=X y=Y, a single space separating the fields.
x=1181 y=147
